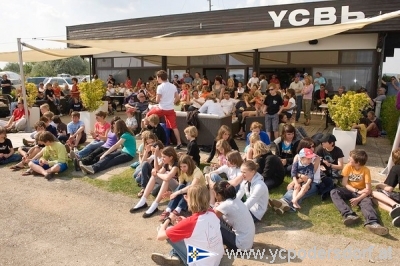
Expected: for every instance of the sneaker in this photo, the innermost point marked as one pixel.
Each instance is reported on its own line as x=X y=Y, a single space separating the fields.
x=377 y=229
x=351 y=219
x=25 y=142
x=278 y=211
x=396 y=221
x=280 y=204
x=86 y=169
x=395 y=212
x=163 y=215
x=178 y=147
x=49 y=176
x=161 y=259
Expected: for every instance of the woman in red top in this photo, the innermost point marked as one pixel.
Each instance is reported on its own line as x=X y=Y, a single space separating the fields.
x=138 y=83
x=128 y=82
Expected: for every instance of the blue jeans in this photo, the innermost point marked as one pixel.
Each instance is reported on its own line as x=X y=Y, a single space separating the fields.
x=90 y=148
x=145 y=174
x=299 y=103
x=311 y=192
x=112 y=159
x=179 y=250
x=13 y=158
x=216 y=178
x=178 y=201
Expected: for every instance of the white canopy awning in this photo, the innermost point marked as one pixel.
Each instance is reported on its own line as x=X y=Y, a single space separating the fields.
x=49 y=54
x=198 y=45
x=226 y=42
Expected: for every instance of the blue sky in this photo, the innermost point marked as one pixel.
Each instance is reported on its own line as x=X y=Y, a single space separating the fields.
x=29 y=19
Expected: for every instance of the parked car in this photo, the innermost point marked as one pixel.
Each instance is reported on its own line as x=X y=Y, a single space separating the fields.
x=64 y=75
x=13 y=77
x=35 y=80
x=61 y=81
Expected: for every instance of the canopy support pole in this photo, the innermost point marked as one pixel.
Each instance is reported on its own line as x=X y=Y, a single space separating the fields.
x=21 y=70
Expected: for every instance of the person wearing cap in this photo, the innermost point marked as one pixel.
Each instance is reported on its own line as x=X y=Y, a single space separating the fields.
x=297 y=86
x=331 y=164
x=331 y=156
x=302 y=175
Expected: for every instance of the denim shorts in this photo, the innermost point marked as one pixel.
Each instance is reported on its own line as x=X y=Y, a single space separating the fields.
x=63 y=166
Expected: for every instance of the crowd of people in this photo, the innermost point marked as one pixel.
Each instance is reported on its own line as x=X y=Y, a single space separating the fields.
x=220 y=204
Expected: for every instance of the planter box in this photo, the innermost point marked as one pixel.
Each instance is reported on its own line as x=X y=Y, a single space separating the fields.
x=33 y=117
x=346 y=140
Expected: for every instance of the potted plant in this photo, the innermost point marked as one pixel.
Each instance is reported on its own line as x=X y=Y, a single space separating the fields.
x=345 y=111
x=91 y=94
x=31 y=95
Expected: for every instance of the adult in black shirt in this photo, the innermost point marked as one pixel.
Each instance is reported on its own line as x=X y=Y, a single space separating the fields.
x=271 y=168
x=49 y=96
x=6 y=85
x=331 y=156
x=273 y=104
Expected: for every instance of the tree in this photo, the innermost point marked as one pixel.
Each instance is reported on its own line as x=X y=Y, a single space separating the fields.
x=13 y=67
x=73 y=65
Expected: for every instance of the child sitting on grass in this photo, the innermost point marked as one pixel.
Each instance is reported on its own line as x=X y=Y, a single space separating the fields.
x=7 y=154
x=192 y=149
x=384 y=195
x=131 y=121
x=61 y=129
x=357 y=188
x=54 y=157
x=302 y=174
x=28 y=152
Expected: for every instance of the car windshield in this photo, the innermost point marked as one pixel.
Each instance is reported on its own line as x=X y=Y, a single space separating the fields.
x=68 y=80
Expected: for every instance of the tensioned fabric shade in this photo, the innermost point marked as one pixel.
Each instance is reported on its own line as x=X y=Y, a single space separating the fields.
x=227 y=42
x=49 y=54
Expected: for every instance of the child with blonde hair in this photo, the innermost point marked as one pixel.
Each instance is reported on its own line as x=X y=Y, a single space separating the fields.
x=223 y=148
x=249 y=148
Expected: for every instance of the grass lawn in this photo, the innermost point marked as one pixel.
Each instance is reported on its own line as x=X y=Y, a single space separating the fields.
x=315 y=215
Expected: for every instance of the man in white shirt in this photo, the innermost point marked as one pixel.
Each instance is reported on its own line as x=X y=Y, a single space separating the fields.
x=167 y=95
x=196 y=101
x=253 y=80
x=227 y=103
x=297 y=86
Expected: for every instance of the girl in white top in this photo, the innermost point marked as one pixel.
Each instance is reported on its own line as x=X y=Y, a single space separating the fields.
x=255 y=190
x=212 y=106
x=237 y=227
x=231 y=169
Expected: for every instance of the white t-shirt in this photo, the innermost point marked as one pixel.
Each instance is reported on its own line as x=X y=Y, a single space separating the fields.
x=227 y=105
x=293 y=102
x=253 y=80
x=236 y=214
x=167 y=91
x=210 y=107
x=297 y=87
x=231 y=172
x=198 y=103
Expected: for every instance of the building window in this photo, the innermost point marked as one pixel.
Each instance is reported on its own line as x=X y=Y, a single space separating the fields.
x=315 y=58
x=239 y=73
x=351 y=77
x=104 y=62
x=208 y=60
x=127 y=62
x=241 y=59
x=176 y=61
x=357 y=57
x=279 y=58
x=152 y=61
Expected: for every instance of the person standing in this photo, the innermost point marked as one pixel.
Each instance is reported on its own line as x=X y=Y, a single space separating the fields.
x=393 y=86
x=263 y=84
x=297 y=86
x=6 y=85
x=253 y=80
x=307 y=93
x=167 y=95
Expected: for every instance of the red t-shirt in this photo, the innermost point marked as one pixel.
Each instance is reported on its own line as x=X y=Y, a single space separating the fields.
x=18 y=114
x=75 y=91
x=200 y=231
x=100 y=129
x=57 y=92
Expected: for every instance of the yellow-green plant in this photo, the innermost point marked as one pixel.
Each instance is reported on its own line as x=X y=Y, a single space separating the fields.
x=31 y=93
x=91 y=94
x=347 y=109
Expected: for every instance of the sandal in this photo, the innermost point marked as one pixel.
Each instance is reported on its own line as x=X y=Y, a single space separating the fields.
x=28 y=172
x=163 y=215
x=140 y=194
x=16 y=167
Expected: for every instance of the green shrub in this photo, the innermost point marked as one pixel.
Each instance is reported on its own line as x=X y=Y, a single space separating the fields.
x=390 y=115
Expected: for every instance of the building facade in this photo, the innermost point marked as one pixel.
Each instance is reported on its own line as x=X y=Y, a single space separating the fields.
x=352 y=59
